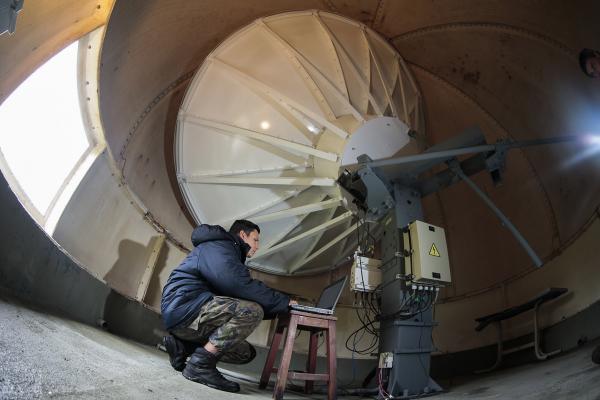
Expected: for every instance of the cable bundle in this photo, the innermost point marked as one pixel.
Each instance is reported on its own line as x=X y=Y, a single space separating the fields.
x=367 y=314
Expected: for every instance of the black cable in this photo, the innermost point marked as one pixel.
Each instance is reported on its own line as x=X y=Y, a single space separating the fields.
x=368 y=318
x=407 y=302
x=424 y=304
x=359 y=330
x=365 y=307
x=406 y=309
x=374 y=302
x=354 y=349
x=365 y=327
x=372 y=307
x=365 y=321
x=358 y=232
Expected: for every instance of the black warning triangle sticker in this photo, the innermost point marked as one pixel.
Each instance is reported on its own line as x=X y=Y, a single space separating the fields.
x=434 y=251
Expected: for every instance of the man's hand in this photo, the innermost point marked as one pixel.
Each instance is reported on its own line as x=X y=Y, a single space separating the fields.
x=292 y=303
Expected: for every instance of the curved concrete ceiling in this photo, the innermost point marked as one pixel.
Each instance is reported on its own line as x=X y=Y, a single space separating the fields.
x=509 y=67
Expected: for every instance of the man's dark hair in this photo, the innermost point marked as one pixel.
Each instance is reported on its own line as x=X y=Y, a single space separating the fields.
x=584 y=56
x=243 y=225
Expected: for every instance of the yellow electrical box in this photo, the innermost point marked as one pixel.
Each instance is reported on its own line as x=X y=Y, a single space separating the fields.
x=427 y=256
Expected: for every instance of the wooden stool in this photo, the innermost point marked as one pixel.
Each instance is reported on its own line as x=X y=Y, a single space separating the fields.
x=301 y=321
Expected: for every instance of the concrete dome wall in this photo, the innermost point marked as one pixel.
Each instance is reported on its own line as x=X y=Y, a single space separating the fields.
x=507 y=67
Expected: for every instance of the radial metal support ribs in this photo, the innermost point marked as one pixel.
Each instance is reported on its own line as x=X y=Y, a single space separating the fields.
x=323 y=249
x=319 y=206
x=254 y=181
x=236 y=130
x=311 y=232
x=378 y=68
x=284 y=232
x=402 y=91
x=361 y=78
x=317 y=238
x=301 y=62
x=295 y=56
x=280 y=98
x=287 y=167
x=261 y=208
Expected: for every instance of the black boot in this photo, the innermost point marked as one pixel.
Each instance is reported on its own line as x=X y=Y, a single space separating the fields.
x=178 y=350
x=202 y=368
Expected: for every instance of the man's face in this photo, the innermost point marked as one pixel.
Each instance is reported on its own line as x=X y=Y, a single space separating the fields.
x=592 y=66
x=251 y=240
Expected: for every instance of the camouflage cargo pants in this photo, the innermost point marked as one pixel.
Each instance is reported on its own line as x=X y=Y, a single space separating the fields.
x=226 y=322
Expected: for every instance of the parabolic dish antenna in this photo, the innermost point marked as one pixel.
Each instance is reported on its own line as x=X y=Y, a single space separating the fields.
x=273 y=116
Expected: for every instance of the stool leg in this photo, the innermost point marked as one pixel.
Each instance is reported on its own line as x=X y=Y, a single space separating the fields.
x=311 y=362
x=331 y=361
x=284 y=365
x=268 y=369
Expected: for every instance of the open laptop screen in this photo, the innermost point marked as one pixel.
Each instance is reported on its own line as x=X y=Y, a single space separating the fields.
x=331 y=294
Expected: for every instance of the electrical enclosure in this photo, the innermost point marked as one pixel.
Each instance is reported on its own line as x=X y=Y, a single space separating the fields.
x=427 y=256
x=365 y=275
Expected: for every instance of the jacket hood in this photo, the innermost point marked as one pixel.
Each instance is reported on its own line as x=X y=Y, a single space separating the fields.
x=207 y=233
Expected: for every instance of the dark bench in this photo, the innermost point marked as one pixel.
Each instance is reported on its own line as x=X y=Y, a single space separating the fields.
x=497 y=318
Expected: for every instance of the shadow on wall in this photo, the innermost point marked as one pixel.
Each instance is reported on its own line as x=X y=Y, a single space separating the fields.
x=135 y=271
x=36 y=271
x=133 y=275
x=127 y=271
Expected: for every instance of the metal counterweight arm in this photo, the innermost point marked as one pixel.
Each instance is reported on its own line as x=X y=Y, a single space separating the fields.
x=454 y=166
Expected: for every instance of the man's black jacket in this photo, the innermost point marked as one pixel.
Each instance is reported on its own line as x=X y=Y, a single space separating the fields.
x=214 y=268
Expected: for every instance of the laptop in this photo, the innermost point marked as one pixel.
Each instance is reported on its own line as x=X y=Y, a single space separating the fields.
x=327 y=301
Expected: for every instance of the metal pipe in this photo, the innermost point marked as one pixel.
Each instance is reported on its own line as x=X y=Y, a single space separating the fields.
x=445 y=154
x=455 y=167
x=433 y=155
x=543 y=141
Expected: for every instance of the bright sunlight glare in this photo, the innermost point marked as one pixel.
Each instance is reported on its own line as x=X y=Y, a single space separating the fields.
x=42 y=135
x=593 y=139
x=591 y=150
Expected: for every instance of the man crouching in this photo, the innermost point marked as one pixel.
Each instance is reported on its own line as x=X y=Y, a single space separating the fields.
x=210 y=304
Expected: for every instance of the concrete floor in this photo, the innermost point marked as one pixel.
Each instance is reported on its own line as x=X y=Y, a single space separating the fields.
x=45 y=356
x=568 y=376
